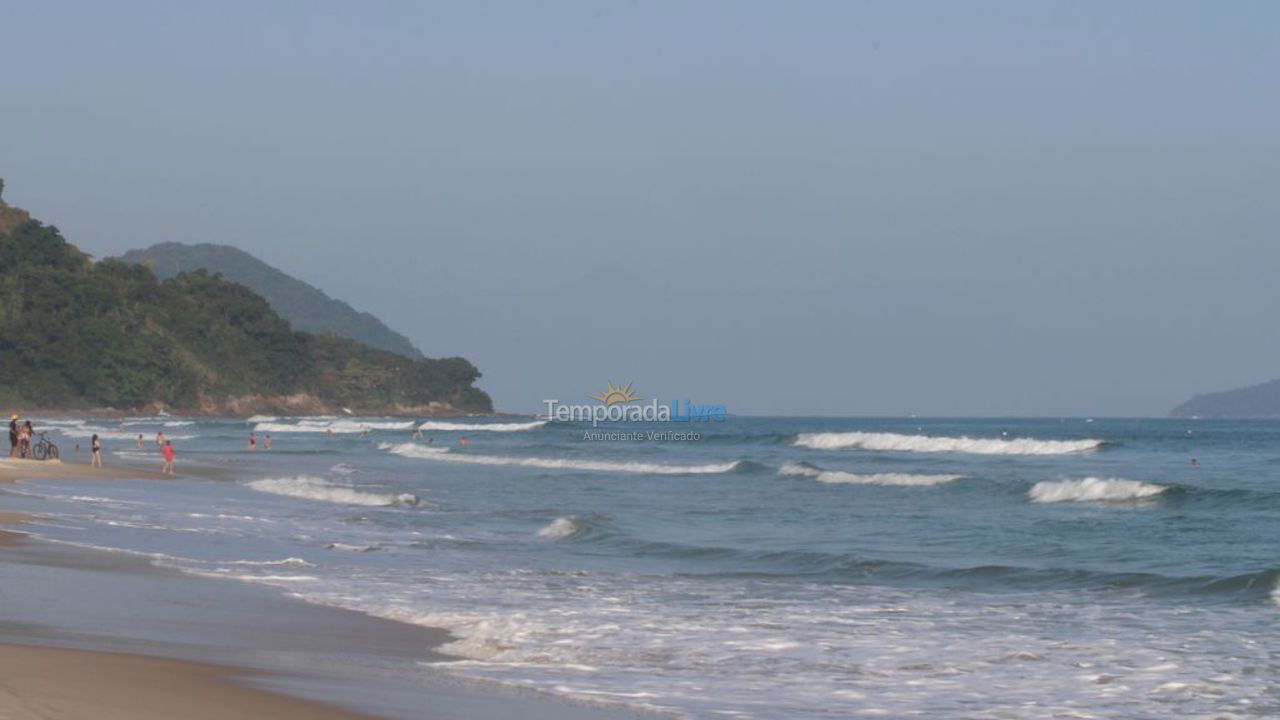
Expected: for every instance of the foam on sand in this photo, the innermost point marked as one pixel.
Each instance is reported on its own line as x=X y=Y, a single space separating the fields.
x=480 y=427
x=313 y=488
x=420 y=452
x=836 y=477
x=1092 y=489
x=894 y=442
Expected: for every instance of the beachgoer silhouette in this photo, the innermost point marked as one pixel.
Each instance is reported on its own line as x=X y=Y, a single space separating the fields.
x=168 y=458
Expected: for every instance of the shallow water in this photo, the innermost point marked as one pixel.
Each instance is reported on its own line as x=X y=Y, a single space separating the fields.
x=775 y=568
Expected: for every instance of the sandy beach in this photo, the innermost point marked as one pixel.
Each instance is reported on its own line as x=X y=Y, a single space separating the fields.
x=41 y=682
x=93 y=635
x=37 y=683
x=13 y=469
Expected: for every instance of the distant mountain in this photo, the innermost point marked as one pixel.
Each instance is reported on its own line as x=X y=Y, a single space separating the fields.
x=78 y=334
x=306 y=307
x=1255 y=401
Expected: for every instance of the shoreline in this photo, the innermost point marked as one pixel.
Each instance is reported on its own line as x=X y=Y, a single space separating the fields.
x=158 y=642
x=115 y=414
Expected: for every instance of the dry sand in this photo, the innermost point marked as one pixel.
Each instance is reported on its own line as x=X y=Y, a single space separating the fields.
x=38 y=683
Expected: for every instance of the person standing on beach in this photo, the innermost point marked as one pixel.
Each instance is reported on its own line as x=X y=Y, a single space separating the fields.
x=24 y=439
x=13 y=436
x=96 y=446
x=168 y=458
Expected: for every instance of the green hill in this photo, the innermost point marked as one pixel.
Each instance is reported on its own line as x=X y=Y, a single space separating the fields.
x=305 y=307
x=80 y=334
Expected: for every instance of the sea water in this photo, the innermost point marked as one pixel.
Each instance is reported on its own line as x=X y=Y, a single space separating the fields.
x=773 y=568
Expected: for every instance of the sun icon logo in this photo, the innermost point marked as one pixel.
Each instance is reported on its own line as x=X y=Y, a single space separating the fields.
x=613 y=395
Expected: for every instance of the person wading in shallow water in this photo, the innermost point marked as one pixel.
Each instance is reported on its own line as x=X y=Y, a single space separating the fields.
x=13 y=436
x=96 y=446
x=168 y=458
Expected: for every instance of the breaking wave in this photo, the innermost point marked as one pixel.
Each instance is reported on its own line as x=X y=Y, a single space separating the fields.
x=442 y=454
x=926 y=443
x=889 y=479
x=88 y=431
x=481 y=427
x=345 y=427
x=561 y=528
x=313 y=488
x=1093 y=489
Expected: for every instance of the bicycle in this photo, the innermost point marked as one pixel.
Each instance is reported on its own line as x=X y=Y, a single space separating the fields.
x=44 y=449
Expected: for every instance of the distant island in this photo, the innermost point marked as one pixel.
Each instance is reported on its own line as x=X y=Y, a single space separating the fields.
x=1255 y=401
x=306 y=307
x=111 y=336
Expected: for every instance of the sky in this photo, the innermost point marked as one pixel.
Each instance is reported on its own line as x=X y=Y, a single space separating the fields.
x=830 y=208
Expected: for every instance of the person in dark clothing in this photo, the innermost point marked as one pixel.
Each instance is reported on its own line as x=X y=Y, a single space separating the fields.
x=13 y=436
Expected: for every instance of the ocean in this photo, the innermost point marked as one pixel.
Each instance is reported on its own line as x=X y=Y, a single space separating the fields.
x=774 y=568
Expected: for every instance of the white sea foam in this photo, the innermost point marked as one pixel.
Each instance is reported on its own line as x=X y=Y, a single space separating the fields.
x=894 y=442
x=88 y=431
x=561 y=528
x=429 y=453
x=836 y=477
x=261 y=419
x=1093 y=489
x=347 y=547
x=345 y=427
x=289 y=562
x=313 y=488
x=800 y=469
x=480 y=427
x=901 y=479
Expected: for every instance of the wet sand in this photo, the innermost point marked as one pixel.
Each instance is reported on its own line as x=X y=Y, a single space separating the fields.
x=93 y=635
x=14 y=469
x=40 y=683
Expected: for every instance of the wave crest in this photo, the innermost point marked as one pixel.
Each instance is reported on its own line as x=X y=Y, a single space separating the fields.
x=481 y=427
x=561 y=528
x=927 y=443
x=345 y=427
x=1092 y=489
x=313 y=488
x=836 y=477
x=420 y=452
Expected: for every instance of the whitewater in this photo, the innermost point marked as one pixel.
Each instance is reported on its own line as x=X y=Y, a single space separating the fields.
x=778 y=568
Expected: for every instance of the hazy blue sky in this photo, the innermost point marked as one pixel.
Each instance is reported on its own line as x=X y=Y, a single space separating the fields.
x=845 y=207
